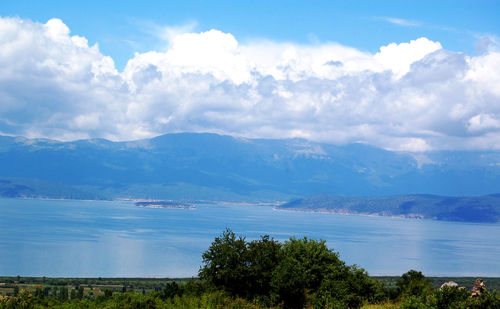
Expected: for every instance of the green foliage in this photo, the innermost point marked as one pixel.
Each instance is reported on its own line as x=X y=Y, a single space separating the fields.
x=304 y=266
x=487 y=300
x=289 y=283
x=450 y=297
x=360 y=283
x=298 y=272
x=216 y=299
x=79 y=294
x=414 y=283
x=263 y=256
x=129 y=300
x=23 y=300
x=171 y=290
x=46 y=291
x=349 y=288
x=414 y=302
x=63 y=293
x=335 y=294
x=226 y=263
x=241 y=268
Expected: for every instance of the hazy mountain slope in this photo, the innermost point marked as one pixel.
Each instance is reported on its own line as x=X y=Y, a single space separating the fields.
x=467 y=209
x=33 y=188
x=215 y=167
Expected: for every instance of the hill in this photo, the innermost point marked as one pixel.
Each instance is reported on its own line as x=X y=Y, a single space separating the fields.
x=484 y=209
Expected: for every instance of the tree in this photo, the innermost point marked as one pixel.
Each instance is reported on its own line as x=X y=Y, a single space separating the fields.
x=289 y=283
x=263 y=256
x=348 y=287
x=171 y=290
x=361 y=284
x=305 y=263
x=294 y=274
x=414 y=283
x=225 y=263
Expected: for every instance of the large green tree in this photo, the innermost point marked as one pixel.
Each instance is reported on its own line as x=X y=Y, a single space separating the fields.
x=225 y=263
x=263 y=256
x=305 y=264
x=299 y=272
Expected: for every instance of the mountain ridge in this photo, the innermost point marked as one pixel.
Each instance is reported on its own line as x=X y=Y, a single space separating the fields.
x=208 y=166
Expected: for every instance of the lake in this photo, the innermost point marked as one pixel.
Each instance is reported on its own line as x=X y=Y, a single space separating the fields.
x=69 y=238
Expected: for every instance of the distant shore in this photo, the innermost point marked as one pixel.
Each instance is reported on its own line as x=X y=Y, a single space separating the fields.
x=348 y=213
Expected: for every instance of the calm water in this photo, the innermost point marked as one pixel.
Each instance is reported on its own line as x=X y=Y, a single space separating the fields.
x=117 y=239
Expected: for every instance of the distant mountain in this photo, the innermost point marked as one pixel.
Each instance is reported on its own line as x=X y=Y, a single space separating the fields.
x=465 y=209
x=190 y=166
x=33 y=188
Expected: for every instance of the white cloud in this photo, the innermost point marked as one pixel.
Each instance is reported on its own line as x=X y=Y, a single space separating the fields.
x=57 y=30
x=401 y=21
x=399 y=57
x=50 y=78
x=483 y=122
x=484 y=72
x=413 y=96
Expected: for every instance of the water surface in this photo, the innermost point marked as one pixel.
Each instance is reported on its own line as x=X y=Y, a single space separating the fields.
x=68 y=238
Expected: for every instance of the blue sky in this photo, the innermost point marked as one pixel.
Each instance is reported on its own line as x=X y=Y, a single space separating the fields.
x=124 y=27
x=402 y=75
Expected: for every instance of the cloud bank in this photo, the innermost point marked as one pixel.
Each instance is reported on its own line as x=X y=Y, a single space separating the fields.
x=410 y=96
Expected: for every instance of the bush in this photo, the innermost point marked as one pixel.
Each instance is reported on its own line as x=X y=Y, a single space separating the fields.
x=414 y=302
x=414 y=283
x=487 y=300
x=450 y=297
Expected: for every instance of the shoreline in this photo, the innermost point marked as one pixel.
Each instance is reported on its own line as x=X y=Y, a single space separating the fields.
x=411 y=217
x=346 y=213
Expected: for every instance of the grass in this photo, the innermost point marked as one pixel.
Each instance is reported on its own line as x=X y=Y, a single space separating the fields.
x=382 y=306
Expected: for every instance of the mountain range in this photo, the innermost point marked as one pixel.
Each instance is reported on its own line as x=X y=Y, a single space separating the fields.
x=211 y=167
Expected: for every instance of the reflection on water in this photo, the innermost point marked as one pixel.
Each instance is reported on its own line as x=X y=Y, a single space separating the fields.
x=117 y=239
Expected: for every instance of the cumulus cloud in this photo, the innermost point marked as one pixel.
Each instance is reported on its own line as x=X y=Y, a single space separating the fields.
x=49 y=78
x=412 y=96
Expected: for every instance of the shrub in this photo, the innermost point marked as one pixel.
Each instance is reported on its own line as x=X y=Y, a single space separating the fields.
x=414 y=283
x=450 y=297
x=487 y=300
x=414 y=302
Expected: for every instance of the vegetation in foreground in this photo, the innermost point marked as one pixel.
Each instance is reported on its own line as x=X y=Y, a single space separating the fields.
x=264 y=273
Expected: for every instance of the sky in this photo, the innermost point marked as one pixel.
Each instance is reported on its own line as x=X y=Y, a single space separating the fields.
x=402 y=75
